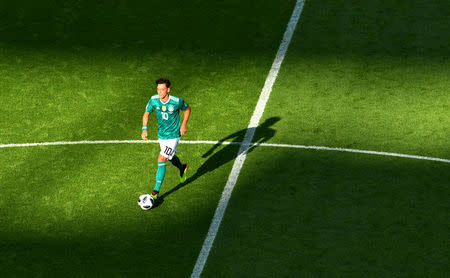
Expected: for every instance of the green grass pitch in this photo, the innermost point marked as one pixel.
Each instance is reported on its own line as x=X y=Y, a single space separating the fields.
x=365 y=75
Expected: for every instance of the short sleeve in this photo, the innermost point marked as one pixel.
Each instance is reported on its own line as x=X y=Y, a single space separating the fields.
x=149 y=107
x=182 y=105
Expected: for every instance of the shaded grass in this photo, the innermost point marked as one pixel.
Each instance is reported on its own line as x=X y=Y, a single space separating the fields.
x=374 y=27
x=150 y=25
x=313 y=213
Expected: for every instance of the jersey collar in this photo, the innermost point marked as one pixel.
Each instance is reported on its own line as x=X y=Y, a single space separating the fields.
x=166 y=101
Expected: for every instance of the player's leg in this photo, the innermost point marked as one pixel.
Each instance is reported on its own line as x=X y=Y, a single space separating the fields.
x=160 y=174
x=173 y=158
x=182 y=167
x=166 y=152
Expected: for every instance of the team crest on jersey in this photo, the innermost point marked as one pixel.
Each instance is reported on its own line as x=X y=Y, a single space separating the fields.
x=171 y=108
x=163 y=108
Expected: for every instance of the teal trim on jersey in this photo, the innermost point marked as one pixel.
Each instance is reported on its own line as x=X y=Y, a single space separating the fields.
x=168 y=115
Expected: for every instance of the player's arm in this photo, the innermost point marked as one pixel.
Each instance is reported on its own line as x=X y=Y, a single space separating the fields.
x=144 y=125
x=183 y=128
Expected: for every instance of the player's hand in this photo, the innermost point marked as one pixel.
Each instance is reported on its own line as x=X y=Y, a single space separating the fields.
x=183 y=130
x=144 y=135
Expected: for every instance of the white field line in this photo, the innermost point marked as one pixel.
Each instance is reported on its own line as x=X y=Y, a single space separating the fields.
x=354 y=151
x=323 y=148
x=242 y=153
x=86 y=142
x=76 y=143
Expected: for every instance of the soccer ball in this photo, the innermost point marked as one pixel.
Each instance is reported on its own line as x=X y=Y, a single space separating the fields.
x=146 y=201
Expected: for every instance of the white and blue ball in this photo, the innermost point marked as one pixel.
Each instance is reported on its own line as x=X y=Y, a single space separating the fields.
x=146 y=201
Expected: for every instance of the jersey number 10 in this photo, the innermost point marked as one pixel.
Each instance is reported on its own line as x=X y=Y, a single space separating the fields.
x=165 y=115
x=168 y=151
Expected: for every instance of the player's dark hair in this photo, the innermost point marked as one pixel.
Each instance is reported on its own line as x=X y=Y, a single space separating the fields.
x=163 y=81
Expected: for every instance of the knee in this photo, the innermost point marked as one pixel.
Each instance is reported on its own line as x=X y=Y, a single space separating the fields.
x=162 y=158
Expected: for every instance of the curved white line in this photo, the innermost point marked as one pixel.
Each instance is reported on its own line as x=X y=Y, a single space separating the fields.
x=228 y=143
x=355 y=151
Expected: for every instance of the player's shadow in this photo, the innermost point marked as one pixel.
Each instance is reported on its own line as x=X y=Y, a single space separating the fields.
x=262 y=133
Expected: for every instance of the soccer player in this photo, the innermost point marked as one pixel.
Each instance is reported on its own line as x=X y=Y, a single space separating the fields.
x=167 y=109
